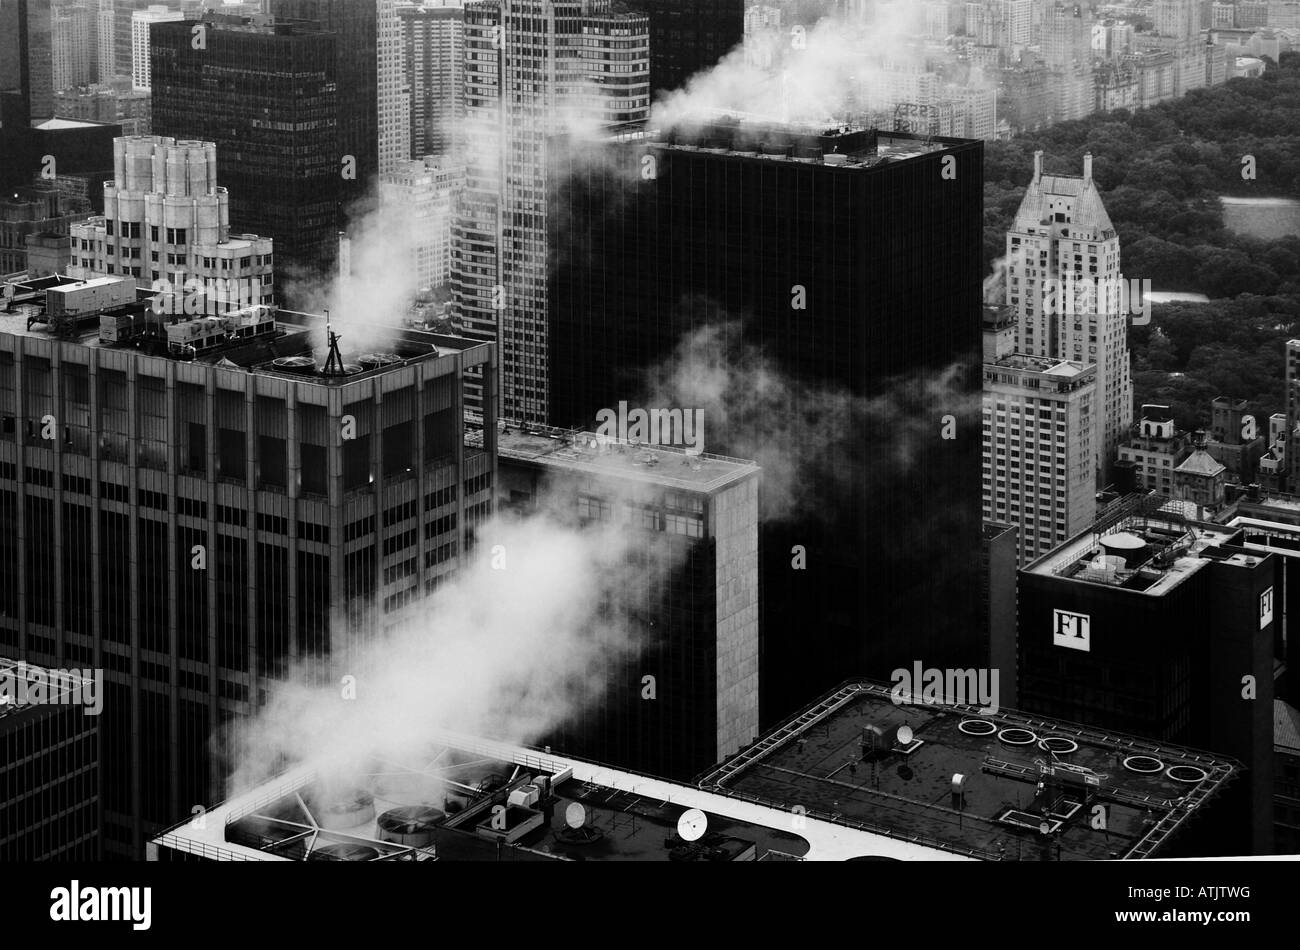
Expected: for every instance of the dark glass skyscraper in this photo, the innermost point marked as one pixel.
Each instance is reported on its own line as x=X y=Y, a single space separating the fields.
x=268 y=97
x=687 y=36
x=850 y=262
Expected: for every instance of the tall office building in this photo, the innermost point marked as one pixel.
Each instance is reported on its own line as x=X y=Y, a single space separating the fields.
x=166 y=220
x=1292 y=440
x=743 y=225
x=49 y=762
x=27 y=59
x=1063 y=284
x=434 y=70
x=533 y=67
x=141 y=21
x=420 y=197
x=688 y=38
x=197 y=519
x=72 y=52
x=1148 y=624
x=374 y=113
x=1038 y=457
x=695 y=621
x=267 y=98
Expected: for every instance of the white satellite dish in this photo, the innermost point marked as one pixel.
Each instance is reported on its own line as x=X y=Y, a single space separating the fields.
x=904 y=736
x=692 y=825
x=575 y=816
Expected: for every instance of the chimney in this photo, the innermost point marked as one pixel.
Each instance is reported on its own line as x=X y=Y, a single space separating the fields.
x=1038 y=166
x=1087 y=168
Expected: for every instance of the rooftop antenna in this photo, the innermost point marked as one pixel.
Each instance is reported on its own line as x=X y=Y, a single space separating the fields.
x=334 y=361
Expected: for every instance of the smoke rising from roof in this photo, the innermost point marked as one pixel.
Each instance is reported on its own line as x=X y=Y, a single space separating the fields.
x=509 y=647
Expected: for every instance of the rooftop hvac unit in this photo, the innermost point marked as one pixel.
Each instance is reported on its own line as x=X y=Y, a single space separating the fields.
x=344 y=852
x=525 y=796
x=413 y=826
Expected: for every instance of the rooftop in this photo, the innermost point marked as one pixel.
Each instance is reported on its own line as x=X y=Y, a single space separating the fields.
x=1029 y=785
x=577 y=451
x=549 y=808
x=62 y=687
x=1158 y=551
x=261 y=339
x=762 y=139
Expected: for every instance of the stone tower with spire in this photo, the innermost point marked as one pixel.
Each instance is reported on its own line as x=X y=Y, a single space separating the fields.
x=1063 y=245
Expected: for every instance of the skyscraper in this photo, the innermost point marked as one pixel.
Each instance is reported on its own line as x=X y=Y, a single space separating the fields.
x=674 y=233
x=1039 y=470
x=198 y=519
x=374 y=115
x=434 y=70
x=267 y=98
x=534 y=68
x=1064 y=287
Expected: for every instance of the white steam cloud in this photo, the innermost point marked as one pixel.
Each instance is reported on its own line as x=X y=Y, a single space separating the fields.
x=510 y=647
x=809 y=440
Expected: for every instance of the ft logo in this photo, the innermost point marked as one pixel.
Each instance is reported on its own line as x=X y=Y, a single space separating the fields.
x=1071 y=630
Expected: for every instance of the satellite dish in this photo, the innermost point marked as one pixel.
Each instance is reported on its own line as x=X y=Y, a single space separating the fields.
x=904 y=735
x=575 y=816
x=692 y=825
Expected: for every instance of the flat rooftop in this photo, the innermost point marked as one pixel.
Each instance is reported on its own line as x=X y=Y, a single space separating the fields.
x=61 y=687
x=550 y=807
x=1160 y=550
x=1047 y=365
x=573 y=450
x=763 y=139
x=817 y=759
x=293 y=344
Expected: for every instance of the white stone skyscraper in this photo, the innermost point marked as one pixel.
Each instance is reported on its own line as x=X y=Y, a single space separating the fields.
x=533 y=68
x=1064 y=286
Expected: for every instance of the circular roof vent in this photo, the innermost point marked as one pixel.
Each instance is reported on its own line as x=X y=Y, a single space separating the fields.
x=370 y=361
x=1144 y=764
x=344 y=852
x=413 y=826
x=1190 y=774
x=1017 y=736
x=295 y=364
x=977 y=727
x=1059 y=745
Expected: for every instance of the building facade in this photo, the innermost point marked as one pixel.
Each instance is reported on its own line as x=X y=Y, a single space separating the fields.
x=433 y=50
x=735 y=227
x=1065 y=286
x=166 y=223
x=421 y=197
x=141 y=21
x=1038 y=454
x=268 y=98
x=49 y=765
x=561 y=65
x=697 y=629
x=197 y=522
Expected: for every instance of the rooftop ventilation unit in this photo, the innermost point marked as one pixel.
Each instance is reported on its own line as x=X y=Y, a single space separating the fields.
x=413 y=826
x=304 y=365
x=344 y=852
